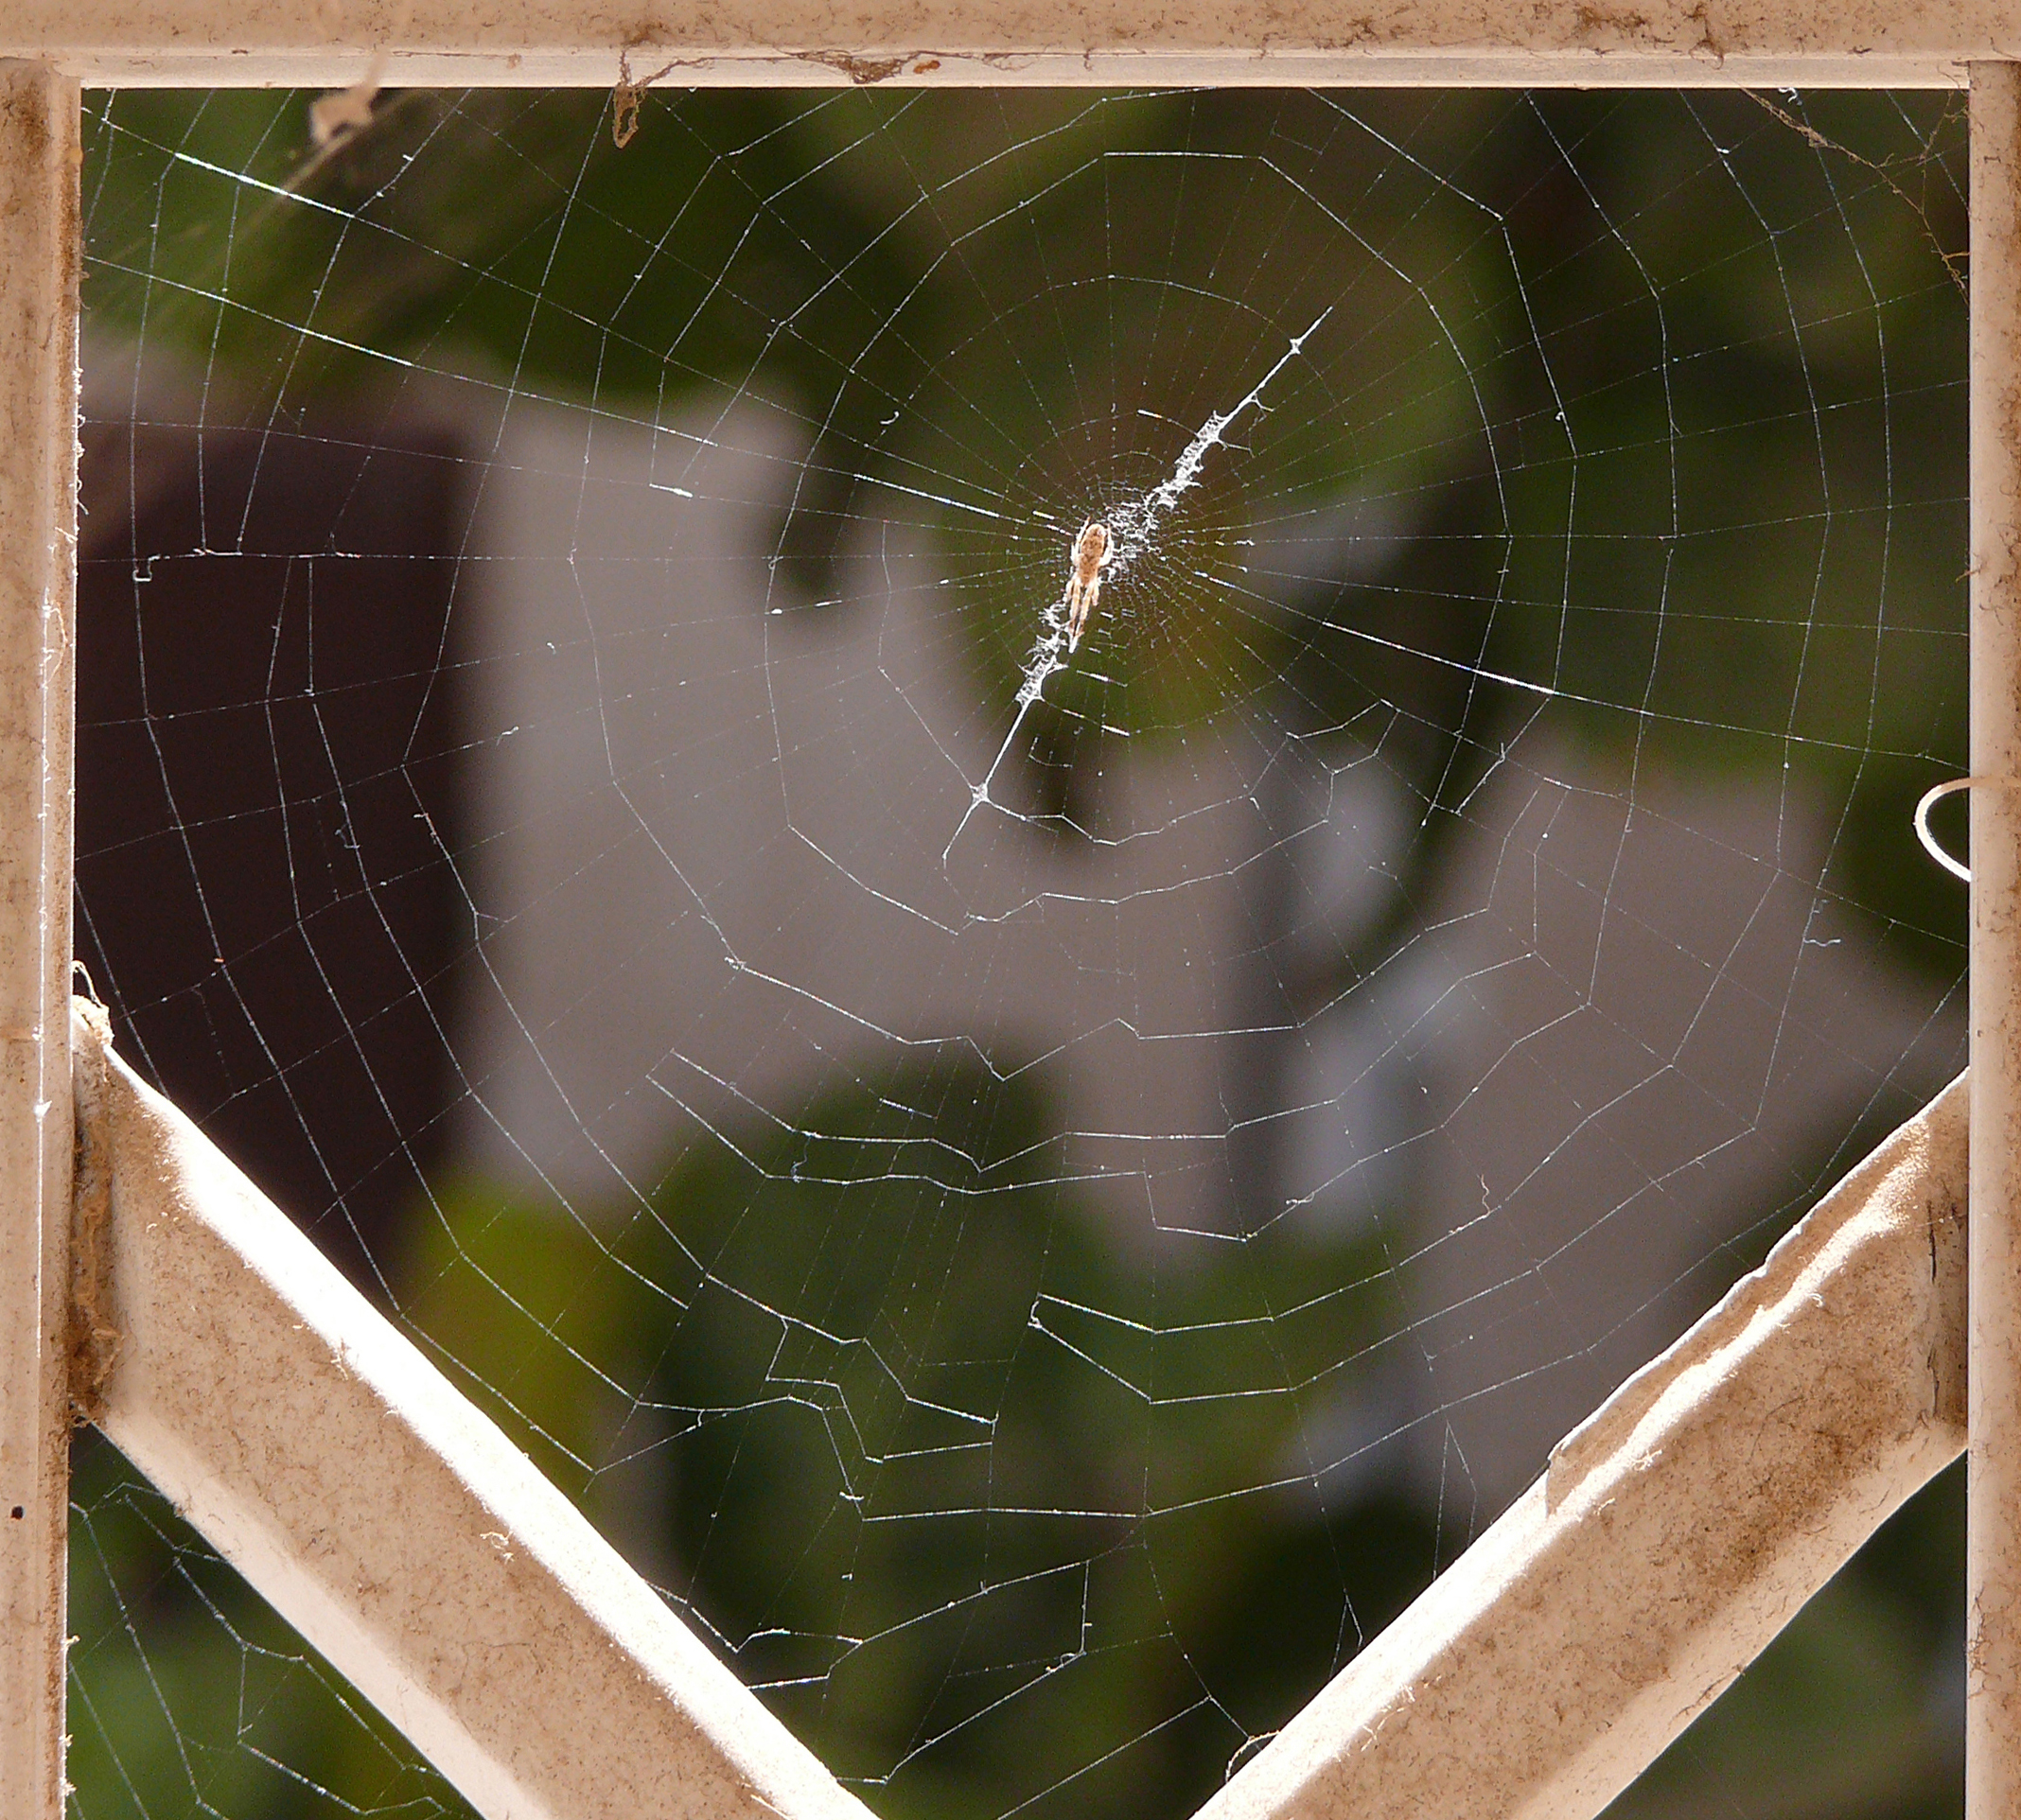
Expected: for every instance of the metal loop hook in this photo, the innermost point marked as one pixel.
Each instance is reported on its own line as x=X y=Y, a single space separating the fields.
x=1922 y=824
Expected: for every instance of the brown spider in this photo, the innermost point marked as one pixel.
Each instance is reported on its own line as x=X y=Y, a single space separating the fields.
x=1091 y=554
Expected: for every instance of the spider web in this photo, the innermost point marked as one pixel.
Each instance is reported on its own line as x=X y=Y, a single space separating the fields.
x=1039 y=1191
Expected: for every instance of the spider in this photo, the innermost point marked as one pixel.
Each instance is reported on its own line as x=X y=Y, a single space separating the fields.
x=1091 y=554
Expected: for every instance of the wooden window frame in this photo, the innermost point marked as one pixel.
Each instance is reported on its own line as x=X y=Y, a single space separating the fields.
x=1674 y=1533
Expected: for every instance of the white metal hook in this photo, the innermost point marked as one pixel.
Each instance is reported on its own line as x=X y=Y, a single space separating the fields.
x=1922 y=824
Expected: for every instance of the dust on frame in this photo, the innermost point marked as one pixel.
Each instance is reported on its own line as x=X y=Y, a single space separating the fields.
x=1108 y=43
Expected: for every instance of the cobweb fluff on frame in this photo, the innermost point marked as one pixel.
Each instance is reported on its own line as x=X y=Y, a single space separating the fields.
x=1038 y=1186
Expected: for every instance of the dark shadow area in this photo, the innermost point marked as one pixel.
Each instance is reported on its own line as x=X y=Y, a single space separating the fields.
x=268 y=775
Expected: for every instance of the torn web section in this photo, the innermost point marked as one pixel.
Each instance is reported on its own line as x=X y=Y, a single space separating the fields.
x=1036 y=1194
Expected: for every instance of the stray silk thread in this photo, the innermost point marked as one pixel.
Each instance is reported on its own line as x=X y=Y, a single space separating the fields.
x=1923 y=822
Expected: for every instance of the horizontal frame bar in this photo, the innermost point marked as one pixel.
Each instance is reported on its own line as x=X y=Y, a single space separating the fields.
x=1843 y=43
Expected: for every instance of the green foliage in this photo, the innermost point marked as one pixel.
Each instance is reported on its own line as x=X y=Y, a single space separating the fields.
x=904 y=1467
x=189 y=1699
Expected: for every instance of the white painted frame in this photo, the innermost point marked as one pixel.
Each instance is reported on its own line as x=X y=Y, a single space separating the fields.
x=1674 y=1533
x=1843 y=43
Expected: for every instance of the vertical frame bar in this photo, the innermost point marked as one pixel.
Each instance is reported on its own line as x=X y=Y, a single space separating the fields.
x=1992 y=1545
x=39 y=262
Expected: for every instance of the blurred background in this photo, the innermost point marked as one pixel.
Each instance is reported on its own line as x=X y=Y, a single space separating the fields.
x=1038 y=1221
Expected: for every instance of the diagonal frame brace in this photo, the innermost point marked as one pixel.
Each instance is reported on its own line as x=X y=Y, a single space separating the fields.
x=401 y=1532
x=383 y=1514
x=1674 y=1533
